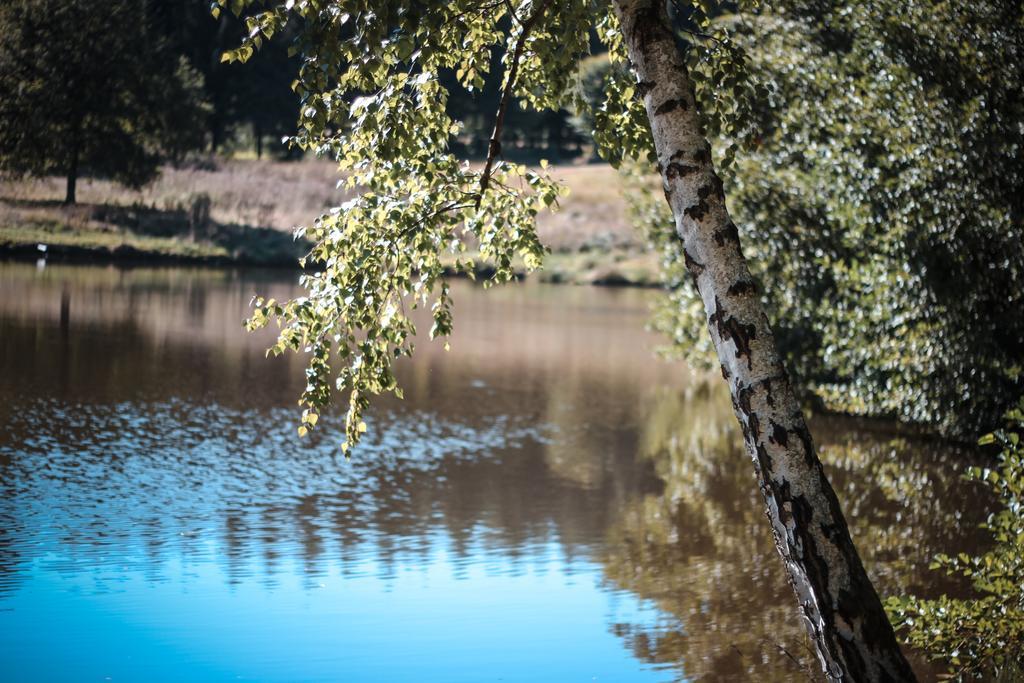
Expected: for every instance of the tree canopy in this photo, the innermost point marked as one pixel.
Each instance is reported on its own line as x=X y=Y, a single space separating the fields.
x=882 y=196
x=372 y=97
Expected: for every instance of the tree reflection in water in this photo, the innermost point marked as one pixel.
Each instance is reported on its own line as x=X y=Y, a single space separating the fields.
x=702 y=550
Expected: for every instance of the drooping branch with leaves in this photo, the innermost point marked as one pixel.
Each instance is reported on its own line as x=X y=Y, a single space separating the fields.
x=372 y=99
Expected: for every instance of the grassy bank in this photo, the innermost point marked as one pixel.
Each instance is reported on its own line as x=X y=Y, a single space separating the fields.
x=238 y=211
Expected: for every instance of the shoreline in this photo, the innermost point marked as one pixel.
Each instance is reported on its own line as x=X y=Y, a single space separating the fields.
x=127 y=255
x=598 y=269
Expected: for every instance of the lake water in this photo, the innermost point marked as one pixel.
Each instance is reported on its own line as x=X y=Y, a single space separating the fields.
x=550 y=502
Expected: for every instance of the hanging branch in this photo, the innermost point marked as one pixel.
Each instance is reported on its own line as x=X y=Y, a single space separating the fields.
x=494 y=148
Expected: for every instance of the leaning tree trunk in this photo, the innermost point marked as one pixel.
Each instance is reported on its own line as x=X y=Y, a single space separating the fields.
x=843 y=614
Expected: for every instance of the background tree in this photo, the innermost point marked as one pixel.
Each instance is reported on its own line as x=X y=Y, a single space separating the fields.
x=87 y=88
x=156 y=38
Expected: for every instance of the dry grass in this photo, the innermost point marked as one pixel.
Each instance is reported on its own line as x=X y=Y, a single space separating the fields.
x=593 y=216
x=282 y=195
x=258 y=193
x=589 y=234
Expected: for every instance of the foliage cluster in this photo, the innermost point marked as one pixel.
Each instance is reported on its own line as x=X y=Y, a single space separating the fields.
x=372 y=99
x=983 y=637
x=881 y=194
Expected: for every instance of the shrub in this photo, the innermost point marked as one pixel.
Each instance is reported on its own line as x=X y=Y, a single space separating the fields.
x=981 y=637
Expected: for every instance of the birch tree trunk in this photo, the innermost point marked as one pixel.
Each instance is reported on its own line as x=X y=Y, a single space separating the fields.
x=844 y=616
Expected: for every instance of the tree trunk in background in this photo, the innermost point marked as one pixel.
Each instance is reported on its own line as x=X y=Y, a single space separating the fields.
x=843 y=614
x=72 y=178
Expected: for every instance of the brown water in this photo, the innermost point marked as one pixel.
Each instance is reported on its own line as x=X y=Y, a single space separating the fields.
x=549 y=502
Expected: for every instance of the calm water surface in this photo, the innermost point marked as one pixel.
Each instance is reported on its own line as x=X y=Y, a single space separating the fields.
x=549 y=503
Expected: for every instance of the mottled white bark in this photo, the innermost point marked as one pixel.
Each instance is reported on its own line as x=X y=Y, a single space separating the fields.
x=844 y=616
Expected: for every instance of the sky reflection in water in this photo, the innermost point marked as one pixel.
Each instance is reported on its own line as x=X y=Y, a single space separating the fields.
x=162 y=521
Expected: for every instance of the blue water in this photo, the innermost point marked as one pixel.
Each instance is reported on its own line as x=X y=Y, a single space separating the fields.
x=161 y=520
x=434 y=620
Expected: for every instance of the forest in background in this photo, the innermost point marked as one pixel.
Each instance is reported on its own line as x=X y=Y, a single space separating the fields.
x=250 y=109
